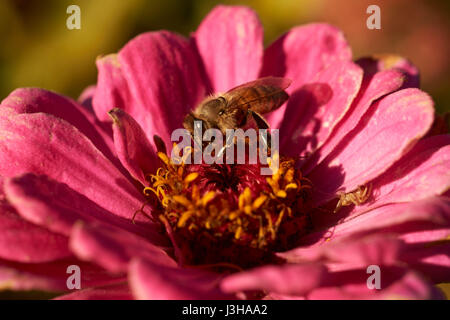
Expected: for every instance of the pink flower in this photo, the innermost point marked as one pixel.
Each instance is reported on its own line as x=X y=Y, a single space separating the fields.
x=72 y=182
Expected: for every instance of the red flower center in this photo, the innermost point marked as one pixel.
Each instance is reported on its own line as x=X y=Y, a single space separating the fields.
x=231 y=214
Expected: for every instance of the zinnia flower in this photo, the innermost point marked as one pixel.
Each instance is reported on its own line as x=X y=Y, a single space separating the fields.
x=84 y=184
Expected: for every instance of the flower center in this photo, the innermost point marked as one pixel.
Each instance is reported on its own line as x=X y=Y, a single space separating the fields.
x=230 y=213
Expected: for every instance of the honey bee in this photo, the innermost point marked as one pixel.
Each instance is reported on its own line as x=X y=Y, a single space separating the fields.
x=240 y=107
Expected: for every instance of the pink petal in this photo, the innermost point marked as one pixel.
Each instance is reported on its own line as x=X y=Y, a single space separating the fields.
x=113 y=248
x=428 y=212
x=288 y=279
x=388 y=131
x=421 y=173
x=42 y=144
x=151 y=281
x=230 y=43
x=373 y=87
x=51 y=276
x=13 y=279
x=421 y=228
x=301 y=53
x=162 y=73
x=434 y=238
x=307 y=123
x=110 y=292
x=353 y=251
x=22 y=241
x=357 y=251
x=57 y=207
x=412 y=286
x=85 y=98
x=434 y=266
x=347 y=260
x=112 y=88
x=133 y=148
x=386 y=62
x=395 y=285
x=32 y=100
x=428 y=252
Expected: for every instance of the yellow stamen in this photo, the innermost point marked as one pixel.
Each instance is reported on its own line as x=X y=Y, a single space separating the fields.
x=184 y=217
x=190 y=177
x=259 y=202
x=270 y=226
x=281 y=194
x=233 y=215
x=238 y=233
x=147 y=191
x=164 y=158
x=208 y=197
x=183 y=201
x=291 y=186
x=289 y=176
x=280 y=217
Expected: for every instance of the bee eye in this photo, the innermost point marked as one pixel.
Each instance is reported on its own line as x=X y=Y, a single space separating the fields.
x=221 y=112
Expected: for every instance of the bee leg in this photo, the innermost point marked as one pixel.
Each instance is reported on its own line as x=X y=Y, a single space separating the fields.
x=261 y=123
x=340 y=203
x=188 y=122
x=159 y=143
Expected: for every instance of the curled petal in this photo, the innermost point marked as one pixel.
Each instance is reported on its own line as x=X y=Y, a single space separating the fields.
x=389 y=61
x=57 y=207
x=133 y=149
x=150 y=281
x=113 y=248
x=400 y=119
x=373 y=87
x=295 y=279
x=42 y=144
x=309 y=120
x=112 y=88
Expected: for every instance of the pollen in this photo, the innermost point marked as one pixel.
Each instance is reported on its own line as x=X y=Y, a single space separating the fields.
x=230 y=214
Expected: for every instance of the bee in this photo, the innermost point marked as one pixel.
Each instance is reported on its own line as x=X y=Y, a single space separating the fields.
x=240 y=107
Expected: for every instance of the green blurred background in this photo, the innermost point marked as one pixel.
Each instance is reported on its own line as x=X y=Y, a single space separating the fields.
x=38 y=50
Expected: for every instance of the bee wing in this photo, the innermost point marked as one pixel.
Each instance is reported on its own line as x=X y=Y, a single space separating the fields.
x=262 y=95
x=276 y=82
